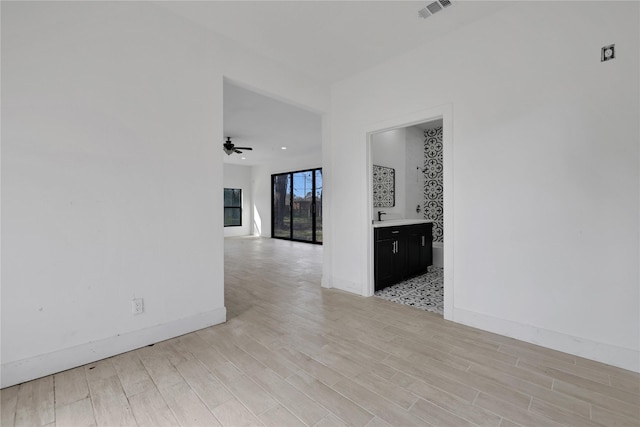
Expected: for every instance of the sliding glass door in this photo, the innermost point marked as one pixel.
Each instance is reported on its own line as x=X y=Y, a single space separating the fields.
x=296 y=205
x=317 y=186
x=281 y=206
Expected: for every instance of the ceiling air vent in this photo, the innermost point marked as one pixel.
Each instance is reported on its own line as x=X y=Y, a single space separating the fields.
x=424 y=13
x=432 y=8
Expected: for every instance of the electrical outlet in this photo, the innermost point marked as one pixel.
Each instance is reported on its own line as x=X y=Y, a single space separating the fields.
x=137 y=306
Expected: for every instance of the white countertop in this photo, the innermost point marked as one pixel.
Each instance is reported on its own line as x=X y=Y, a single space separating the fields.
x=395 y=222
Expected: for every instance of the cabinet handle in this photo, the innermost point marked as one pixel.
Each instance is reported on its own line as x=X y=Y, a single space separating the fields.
x=395 y=232
x=395 y=247
x=422 y=240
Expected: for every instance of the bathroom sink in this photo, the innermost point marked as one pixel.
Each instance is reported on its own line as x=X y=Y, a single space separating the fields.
x=396 y=222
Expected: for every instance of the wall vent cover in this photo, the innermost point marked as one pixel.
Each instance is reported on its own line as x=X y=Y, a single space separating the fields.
x=433 y=8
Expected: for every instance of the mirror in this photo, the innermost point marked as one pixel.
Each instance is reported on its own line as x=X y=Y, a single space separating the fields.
x=384 y=187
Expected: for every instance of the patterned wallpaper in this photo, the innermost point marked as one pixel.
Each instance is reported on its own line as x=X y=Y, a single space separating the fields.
x=433 y=184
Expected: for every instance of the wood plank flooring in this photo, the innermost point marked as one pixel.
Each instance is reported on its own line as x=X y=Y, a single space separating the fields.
x=294 y=354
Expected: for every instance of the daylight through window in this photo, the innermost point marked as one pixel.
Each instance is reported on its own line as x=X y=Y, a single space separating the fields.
x=296 y=206
x=232 y=207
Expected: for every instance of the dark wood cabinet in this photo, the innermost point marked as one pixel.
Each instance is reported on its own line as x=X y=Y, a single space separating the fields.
x=419 y=255
x=386 y=263
x=401 y=252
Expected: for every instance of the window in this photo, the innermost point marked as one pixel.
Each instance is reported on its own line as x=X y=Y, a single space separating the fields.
x=232 y=207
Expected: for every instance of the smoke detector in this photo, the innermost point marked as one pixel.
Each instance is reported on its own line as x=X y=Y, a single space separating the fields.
x=433 y=8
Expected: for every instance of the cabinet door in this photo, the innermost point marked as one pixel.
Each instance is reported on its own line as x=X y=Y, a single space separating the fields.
x=388 y=268
x=414 y=252
x=384 y=263
x=419 y=252
x=426 y=250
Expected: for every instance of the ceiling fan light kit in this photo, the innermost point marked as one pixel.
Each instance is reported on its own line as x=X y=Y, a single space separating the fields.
x=229 y=147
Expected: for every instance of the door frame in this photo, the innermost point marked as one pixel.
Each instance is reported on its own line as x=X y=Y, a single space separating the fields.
x=444 y=112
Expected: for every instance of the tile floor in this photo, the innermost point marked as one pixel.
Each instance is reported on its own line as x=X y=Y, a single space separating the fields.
x=295 y=354
x=424 y=292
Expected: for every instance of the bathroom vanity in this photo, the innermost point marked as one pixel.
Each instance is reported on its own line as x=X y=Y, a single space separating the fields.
x=402 y=249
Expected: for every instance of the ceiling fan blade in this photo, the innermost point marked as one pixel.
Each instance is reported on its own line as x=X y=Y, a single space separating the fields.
x=230 y=148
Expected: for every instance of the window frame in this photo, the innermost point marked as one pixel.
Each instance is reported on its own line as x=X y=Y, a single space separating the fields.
x=315 y=202
x=232 y=207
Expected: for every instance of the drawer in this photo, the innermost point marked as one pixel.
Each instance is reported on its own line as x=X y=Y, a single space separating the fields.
x=424 y=229
x=383 y=233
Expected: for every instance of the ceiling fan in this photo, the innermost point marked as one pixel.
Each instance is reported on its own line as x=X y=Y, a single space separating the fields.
x=230 y=148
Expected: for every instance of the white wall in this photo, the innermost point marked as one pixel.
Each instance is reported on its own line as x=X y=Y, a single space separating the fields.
x=389 y=149
x=240 y=177
x=111 y=185
x=545 y=164
x=414 y=175
x=403 y=150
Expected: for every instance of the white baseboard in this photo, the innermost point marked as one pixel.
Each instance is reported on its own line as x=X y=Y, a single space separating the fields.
x=347 y=285
x=326 y=282
x=438 y=254
x=19 y=371
x=621 y=357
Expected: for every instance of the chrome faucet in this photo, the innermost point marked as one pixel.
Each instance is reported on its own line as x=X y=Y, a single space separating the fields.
x=380 y=213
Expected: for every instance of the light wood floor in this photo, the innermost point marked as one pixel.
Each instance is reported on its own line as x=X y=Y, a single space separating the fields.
x=294 y=354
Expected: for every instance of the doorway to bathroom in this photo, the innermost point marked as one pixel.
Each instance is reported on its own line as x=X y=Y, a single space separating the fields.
x=408 y=185
x=418 y=149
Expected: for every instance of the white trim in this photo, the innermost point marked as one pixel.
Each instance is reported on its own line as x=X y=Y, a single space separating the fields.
x=19 y=371
x=438 y=254
x=447 y=226
x=444 y=112
x=325 y=282
x=624 y=358
x=346 y=285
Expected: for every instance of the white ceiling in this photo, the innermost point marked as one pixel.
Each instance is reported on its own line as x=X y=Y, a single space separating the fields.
x=326 y=40
x=330 y=40
x=267 y=125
